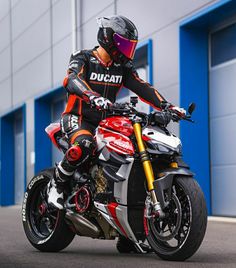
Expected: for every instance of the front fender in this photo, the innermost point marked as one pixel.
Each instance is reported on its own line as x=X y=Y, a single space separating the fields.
x=163 y=184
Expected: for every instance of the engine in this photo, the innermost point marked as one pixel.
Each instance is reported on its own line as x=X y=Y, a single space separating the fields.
x=86 y=220
x=82 y=199
x=86 y=188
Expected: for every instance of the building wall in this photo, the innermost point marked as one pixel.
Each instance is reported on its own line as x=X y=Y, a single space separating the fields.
x=37 y=44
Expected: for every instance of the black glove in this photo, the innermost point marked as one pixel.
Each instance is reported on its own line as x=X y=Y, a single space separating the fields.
x=99 y=103
x=177 y=110
x=162 y=118
x=180 y=111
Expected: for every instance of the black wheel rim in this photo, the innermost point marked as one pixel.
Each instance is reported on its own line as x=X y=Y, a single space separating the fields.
x=42 y=218
x=167 y=228
x=170 y=233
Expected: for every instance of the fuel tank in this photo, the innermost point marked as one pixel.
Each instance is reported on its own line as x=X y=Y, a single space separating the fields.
x=114 y=133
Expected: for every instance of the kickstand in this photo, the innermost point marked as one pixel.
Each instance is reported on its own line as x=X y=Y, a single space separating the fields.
x=143 y=248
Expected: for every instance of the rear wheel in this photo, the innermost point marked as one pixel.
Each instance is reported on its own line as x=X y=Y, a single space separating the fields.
x=178 y=236
x=44 y=226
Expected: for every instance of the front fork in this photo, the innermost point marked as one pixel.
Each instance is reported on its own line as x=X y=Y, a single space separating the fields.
x=147 y=166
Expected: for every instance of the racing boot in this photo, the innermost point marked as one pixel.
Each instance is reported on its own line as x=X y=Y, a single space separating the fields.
x=56 y=186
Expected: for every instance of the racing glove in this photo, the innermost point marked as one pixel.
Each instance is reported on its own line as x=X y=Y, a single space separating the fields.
x=180 y=111
x=176 y=109
x=99 y=102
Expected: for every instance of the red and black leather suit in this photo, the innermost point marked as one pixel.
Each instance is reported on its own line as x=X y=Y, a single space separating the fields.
x=89 y=75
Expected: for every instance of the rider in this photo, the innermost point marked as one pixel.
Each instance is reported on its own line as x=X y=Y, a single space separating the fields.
x=93 y=80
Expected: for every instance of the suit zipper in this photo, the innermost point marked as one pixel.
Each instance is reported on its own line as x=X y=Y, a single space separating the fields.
x=104 y=115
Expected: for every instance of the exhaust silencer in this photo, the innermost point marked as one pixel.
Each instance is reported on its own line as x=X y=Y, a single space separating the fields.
x=83 y=226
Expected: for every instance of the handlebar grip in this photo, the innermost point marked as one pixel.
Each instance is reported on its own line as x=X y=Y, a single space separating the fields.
x=162 y=117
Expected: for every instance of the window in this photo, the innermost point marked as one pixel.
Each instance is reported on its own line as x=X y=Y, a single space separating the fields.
x=143 y=67
x=58 y=106
x=223 y=45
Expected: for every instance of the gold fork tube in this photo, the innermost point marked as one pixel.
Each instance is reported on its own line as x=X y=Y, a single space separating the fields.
x=147 y=166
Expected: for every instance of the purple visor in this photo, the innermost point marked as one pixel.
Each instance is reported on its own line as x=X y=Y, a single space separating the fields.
x=124 y=45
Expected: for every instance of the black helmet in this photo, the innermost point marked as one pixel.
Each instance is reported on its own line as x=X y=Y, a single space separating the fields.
x=118 y=36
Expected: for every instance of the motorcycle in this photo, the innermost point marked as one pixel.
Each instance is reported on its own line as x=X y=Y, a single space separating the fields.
x=136 y=188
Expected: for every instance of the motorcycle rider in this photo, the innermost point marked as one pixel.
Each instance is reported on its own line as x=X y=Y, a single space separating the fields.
x=93 y=80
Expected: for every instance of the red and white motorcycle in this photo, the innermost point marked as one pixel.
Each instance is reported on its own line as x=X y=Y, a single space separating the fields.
x=136 y=188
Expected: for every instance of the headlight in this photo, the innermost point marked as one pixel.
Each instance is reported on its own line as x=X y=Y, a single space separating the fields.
x=155 y=145
x=179 y=149
x=163 y=148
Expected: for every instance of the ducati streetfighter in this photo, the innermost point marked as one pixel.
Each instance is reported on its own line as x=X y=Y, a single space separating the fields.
x=135 y=188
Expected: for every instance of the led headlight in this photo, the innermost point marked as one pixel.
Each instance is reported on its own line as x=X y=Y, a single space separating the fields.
x=179 y=149
x=163 y=148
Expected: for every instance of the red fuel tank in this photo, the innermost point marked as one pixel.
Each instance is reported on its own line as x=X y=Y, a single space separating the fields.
x=120 y=124
x=115 y=132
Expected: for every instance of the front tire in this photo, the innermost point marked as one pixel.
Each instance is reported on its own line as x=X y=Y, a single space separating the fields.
x=45 y=227
x=178 y=236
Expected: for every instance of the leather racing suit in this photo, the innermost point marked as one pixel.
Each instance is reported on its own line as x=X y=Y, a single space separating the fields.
x=88 y=75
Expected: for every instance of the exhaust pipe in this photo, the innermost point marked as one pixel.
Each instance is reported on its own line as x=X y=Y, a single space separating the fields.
x=83 y=226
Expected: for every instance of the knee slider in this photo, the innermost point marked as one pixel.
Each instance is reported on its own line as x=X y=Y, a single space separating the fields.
x=86 y=143
x=74 y=154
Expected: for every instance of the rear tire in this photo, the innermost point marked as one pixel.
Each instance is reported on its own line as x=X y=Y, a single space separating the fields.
x=44 y=226
x=191 y=225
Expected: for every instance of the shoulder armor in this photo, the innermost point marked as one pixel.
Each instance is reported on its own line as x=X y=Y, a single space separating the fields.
x=129 y=64
x=77 y=52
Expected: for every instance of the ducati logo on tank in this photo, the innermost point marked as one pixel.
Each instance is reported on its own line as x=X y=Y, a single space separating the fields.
x=117 y=79
x=122 y=144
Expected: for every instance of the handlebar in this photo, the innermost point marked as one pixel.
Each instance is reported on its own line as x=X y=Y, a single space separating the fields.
x=162 y=117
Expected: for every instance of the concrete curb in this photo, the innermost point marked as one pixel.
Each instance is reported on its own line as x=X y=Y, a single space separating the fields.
x=11 y=207
x=221 y=219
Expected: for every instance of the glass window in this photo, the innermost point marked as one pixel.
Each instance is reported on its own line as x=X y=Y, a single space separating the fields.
x=57 y=109
x=223 y=45
x=18 y=123
x=19 y=159
x=141 y=64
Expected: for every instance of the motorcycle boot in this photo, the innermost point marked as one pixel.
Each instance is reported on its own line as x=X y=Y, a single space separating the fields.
x=56 y=186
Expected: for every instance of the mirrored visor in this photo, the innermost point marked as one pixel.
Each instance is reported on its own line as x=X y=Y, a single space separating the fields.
x=124 y=45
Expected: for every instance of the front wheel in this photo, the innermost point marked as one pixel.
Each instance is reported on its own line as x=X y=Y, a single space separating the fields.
x=45 y=227
x=178 y=236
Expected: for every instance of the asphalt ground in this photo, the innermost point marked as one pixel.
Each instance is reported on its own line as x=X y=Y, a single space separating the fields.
x=217 y=250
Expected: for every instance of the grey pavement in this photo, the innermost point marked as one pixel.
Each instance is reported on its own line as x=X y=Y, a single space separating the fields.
x=217 y=250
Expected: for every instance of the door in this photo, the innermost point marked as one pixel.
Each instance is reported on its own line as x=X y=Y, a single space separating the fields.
x=19 y=164
x=222 y=96
x=58 y=106
x=142 y=68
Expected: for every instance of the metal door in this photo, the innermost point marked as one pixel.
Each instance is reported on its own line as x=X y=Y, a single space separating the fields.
x=19 y=159
x=141 y=64
x=223 y=120
x=57 y=108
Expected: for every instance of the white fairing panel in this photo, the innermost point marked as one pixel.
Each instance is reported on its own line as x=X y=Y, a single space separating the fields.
x=155 y=133
x=121 y=188
x=119 y=219
x=99 y=139
x=122 y=216
x=105 y=213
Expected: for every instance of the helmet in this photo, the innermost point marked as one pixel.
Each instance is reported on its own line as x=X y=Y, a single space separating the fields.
x=118 y=36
